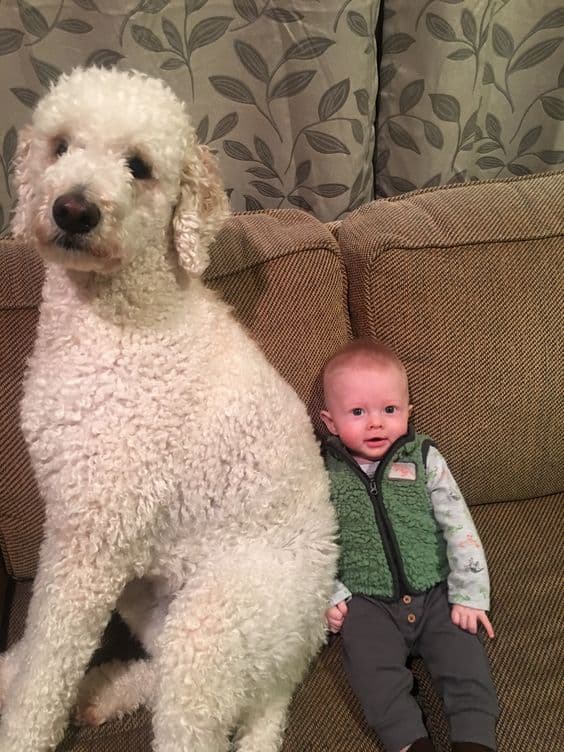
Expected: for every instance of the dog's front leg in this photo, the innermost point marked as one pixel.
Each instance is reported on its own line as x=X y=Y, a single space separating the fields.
x=76 y=588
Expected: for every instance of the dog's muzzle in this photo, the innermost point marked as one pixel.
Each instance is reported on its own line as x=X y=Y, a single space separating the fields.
x=74 y=214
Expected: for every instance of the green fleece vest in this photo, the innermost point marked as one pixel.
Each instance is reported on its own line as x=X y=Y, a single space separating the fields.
x=390 y=541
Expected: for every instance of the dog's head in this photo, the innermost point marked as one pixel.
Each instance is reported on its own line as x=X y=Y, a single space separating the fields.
x=109 y=169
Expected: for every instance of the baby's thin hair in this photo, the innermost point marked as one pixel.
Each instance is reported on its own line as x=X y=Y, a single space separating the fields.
x=360 y=349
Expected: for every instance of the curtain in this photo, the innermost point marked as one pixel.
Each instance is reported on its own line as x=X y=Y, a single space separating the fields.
x=469 y=89
x=283 y=92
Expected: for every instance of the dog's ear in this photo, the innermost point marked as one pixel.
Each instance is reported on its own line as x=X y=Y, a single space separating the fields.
x=21 y=220
x=201 y=209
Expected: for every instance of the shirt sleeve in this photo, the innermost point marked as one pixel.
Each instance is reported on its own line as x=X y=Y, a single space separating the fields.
x=340 y=593
x=468 y=580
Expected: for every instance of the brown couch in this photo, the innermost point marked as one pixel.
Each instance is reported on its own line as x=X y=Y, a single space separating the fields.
x=466 y=283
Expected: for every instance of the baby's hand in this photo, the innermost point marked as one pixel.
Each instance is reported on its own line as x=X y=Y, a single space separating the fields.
x=470 y=618
x=335 y=616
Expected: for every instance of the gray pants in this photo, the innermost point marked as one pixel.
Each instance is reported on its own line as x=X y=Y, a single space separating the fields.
x=378 y=638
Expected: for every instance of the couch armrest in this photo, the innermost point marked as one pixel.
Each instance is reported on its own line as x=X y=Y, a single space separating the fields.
x=21 y=509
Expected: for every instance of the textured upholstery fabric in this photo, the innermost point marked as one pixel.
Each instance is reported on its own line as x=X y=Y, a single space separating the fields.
x=283 y=274
x=526 y=654
x=465 y=283
x=133 y=734
x=524 y=545
x=18 y=604
x=21 y=511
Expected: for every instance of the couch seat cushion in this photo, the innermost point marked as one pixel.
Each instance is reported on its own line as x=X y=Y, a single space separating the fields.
x=524 y=545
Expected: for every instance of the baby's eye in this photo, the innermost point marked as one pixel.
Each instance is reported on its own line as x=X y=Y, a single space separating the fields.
x=357 y=411
x=390 y=409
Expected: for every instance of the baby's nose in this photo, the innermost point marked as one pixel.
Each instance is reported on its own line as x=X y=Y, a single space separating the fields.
x=375 y=420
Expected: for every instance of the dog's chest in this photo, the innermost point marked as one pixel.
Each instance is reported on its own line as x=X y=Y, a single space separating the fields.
x=88 y=387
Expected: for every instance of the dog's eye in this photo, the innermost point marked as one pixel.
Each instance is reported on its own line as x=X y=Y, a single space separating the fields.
x=138 y=168
x=61 y=147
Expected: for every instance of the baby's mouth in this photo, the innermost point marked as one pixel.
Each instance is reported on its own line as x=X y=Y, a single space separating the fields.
x=376 y=440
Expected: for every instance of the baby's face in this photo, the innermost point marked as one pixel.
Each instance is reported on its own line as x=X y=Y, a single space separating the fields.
x=367 y=407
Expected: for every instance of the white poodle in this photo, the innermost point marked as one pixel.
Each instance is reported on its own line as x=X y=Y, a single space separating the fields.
x=181 y=476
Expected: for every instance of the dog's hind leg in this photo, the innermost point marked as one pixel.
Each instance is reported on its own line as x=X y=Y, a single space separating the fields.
x=228 y=645
x=9 y=667
x=262 y=727
x=197 y=667
x=113 y=690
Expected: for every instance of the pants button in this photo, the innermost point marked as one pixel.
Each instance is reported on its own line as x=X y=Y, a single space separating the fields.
x=406 y=599
x=411 y=618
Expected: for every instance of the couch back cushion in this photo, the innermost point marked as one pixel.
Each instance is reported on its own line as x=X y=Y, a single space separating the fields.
x=466 y=284
x=282 y=273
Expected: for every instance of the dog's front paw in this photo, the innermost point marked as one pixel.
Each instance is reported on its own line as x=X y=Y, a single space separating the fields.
x=96 y=696
x=89 y=715
x=111 y=691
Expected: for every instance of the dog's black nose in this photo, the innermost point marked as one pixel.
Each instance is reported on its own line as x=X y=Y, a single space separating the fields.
x=73 y=213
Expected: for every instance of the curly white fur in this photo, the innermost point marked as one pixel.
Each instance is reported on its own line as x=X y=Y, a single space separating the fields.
x=181 y=477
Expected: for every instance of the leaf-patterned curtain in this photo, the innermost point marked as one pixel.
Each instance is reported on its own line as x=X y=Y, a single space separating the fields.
x=283 y=91
x=469 y=89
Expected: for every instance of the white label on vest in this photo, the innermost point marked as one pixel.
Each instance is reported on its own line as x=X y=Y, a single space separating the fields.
x=403 y=471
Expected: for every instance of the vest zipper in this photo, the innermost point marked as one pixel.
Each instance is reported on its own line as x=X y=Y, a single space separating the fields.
x=385 y=534
x=373 y=486
x=391 y=547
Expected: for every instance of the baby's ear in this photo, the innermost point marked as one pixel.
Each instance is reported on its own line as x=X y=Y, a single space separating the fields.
x=325 y=416
x=23 y=182
x=201 y=210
